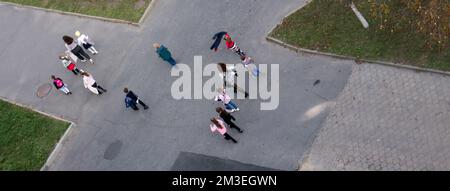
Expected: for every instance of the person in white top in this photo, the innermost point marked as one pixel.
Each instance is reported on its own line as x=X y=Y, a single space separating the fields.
x=226 y=100
x=84 y=41
x=90 y=83
x=246 y=60
x=219 y=126
x=228 y=72
x=72 y=46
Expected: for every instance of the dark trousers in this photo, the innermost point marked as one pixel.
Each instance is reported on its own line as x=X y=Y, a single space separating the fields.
x=76 y=71
x=95 y=85
x=171 y=61
x=135 y=107
x=142 y=103
x=232 y=125
x=79 y=52
x=228 y=137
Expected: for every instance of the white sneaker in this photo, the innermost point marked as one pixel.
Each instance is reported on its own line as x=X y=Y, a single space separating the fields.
x=83 y=60
x=237 y=109
x=92 y=61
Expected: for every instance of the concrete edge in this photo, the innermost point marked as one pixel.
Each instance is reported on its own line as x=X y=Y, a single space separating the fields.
x=144 y=16
x=58 y=146
x=308 y=51
x=289 y=14
x=74 y=14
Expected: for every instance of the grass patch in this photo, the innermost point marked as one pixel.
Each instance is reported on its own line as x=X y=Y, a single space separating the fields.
x=26 y=137
x=329 y=26
x=129 y=10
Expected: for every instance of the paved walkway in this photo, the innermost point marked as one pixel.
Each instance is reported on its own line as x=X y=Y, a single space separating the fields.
x=386 y=118
x=152 y=140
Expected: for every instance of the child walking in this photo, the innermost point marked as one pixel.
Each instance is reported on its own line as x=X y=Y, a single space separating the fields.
x=219 y=126
x=228 y=72
x=246 y=60
x=90 y=83
x=131 y=100
x=59 y=85
x=76 y=49
x=226 y=100
x=227 y=117
x=232 y=45
x=84 y=41
x=67 y=63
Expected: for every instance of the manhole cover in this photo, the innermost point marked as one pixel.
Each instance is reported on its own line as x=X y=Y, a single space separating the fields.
x=43 y=90
x=113 y=150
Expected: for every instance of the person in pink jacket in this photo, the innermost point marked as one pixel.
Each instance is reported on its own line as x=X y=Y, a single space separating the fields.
x=219 y=126
x=226 y=100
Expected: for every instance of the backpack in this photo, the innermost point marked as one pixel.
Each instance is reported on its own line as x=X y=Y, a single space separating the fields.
x=128 y=102
x=59 y=83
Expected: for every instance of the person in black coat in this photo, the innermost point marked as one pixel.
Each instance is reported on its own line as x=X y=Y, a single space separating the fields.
x=227 y=117
x=218 y=38
x=135 y=99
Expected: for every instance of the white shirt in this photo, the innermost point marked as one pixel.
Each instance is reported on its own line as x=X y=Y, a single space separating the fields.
x=83 y=39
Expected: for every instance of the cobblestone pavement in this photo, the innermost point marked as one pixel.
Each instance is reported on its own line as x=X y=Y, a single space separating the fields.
x=386 y=118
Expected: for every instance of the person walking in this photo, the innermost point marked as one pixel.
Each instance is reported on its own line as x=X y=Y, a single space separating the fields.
x=131 y=100
x=59 y=85
x=164 y=53
x=90 y=83
x=231 y=45
x=67 y=63
x=217 y=39
x=219 y=126
x=228 y=73
x=246 y=60
x=227 y=117
x=72 y=46
x=84 y=41
x=226 y=100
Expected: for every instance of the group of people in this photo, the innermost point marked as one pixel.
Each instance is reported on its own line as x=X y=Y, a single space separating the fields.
x=76 y=50
x=68 y=60
x=229 y=73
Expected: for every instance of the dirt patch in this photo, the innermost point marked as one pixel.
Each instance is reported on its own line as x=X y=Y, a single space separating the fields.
x=139 y=4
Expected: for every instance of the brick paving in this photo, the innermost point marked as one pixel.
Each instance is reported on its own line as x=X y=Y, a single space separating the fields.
x=386 y=118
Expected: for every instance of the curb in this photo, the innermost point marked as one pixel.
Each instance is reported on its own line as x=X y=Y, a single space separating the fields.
x=315 y=52
x=57 y=148
x=59 y=143
x=144 y=16
x=84 y=15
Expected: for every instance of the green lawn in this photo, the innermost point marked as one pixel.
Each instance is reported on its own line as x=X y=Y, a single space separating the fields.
x=26 y=138
x=329 y=26
x=129 y=10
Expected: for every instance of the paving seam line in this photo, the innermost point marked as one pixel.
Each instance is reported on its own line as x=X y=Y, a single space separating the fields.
x=297 y=49
x=84 y=15
x=63 y=137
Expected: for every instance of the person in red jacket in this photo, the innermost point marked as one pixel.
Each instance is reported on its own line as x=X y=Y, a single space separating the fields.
x=232 y=45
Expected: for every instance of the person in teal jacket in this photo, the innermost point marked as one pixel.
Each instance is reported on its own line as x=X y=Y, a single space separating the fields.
x=164 y=53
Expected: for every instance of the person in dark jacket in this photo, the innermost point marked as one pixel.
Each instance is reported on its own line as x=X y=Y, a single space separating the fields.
x=164 y=53
x=131 y=100
x=227 y=117
x=218 y=38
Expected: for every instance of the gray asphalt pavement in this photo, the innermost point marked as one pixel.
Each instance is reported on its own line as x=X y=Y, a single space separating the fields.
x=153 y=139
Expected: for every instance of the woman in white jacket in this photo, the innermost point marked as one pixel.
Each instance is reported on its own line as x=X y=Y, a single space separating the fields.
x=90 y=83
x=228 y=73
